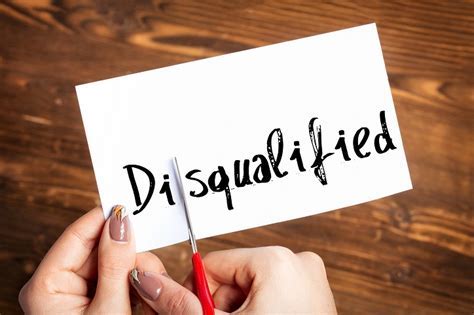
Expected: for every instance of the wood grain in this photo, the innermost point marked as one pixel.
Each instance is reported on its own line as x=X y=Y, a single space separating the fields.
x=411 y=253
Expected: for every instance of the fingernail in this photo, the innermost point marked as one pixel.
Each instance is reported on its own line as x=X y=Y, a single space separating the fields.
x=146 y=283
x=119 y=224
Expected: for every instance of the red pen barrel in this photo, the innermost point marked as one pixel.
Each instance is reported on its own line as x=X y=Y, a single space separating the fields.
x=201 y=287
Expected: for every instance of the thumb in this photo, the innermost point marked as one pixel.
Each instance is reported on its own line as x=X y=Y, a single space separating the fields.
x=161 y=292
x=116 y=257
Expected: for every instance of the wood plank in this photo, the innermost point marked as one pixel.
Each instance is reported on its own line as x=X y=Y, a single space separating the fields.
x=404 y=254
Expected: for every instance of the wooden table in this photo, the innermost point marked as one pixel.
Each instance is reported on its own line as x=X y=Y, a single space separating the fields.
x=411 y=253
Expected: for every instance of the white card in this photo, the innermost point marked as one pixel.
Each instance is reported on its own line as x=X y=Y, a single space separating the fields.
x=251 y=105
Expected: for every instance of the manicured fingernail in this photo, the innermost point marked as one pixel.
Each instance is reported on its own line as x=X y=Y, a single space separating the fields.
x=146 y=283
x=119 y=224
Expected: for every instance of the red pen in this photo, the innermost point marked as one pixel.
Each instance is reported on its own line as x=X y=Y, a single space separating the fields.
x=200 y=282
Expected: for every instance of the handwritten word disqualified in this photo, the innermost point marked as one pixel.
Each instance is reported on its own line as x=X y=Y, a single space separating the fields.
x=261 y=168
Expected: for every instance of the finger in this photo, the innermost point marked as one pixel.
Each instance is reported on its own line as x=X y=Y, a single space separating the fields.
x=214 y=285
x=228 y=298
x=147 y=310
x=153 y=262
x=88 y=270
x=149 y=261
x=211 y=282
x=165 y=295
x=143 y=308
x=67 y=282
x=139 y=306
x=232 y=267
x=241 y=266
x=312 y=261
x=62 y=303
x=161 y=292
x=116 y=257
x=74 y=246
x=189 y=283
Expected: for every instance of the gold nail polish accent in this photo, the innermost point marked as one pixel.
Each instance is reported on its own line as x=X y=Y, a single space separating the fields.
x=119 y=212
x=134 y=274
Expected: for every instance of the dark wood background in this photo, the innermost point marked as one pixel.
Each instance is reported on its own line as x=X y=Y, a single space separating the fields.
x=412 y=253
